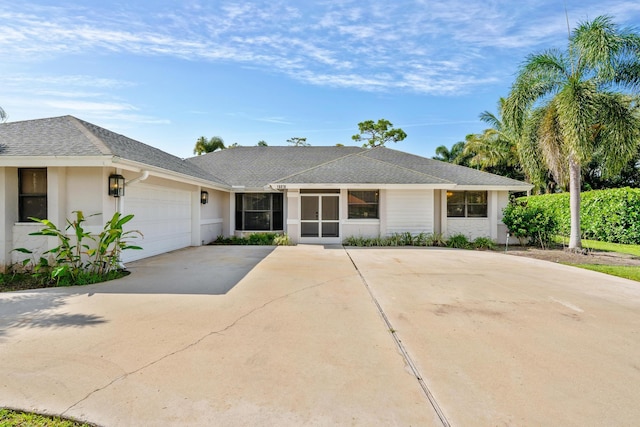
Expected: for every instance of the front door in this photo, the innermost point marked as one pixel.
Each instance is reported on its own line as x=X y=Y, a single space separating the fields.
x=320 y=216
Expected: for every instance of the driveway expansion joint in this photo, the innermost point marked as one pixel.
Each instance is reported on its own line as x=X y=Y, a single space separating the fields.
x=405 y=354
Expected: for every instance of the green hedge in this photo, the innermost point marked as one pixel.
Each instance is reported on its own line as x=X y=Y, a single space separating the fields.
x=607 y=215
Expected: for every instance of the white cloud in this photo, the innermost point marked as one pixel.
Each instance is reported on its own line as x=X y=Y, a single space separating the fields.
x=373 y=46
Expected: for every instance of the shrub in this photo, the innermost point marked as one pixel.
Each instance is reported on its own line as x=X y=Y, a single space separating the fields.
x=483 y=243
x=611 y=215
x=529 y=222
x=458 y=241
x=282 y=240
x=262 y=239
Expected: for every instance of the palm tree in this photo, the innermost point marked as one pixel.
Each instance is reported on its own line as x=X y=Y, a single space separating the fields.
x=584 y=102
x=207 y=146
x=453 y=155
x=497 y=150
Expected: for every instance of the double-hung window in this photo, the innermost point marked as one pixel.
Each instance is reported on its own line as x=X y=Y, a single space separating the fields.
x=259 y=212
x=467 y=204
x=32 y=194
x=363 y=204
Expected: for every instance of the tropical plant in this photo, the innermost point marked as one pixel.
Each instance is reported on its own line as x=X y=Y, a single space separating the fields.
x=458 y=241
x=584 y=100
x=483 y=243
x=377 y=134
x=497 y=150
x=282 y=240
x=454 y=155
x=204 y=145
x=76 y=261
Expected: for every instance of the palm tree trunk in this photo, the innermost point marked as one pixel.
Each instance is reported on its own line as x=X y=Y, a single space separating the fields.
x=574 y=204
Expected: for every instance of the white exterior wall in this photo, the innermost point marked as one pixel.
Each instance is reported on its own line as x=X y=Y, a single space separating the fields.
x=212 y=216
x=470 y=227
x=503 y=201
x=359 y=227
x=292 y=217
x=8 y=213
x=69 y=189
x=473 y=228
x=408 y=211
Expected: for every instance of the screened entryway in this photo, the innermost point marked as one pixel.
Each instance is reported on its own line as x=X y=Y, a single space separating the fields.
x=320 y=216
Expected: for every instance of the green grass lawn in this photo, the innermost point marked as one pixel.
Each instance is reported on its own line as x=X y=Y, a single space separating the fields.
x=604 y=246
x=626 y=272
x=13 y=418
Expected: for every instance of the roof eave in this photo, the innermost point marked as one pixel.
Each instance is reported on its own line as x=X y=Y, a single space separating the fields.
x=167 y=174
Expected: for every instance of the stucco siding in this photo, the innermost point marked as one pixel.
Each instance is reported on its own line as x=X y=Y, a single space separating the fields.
x=85 y=190
x=212 y=216
x=409 y=211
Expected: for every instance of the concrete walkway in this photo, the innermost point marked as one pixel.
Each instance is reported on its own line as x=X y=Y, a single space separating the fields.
x=310 y=335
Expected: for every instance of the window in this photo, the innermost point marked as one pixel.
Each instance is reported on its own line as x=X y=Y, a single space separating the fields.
x=467 y=204
x=32 y=195
x=259 y=212
x=363 y=204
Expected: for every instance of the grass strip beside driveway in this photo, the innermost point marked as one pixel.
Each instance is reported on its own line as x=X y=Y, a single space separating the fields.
x=626 y=272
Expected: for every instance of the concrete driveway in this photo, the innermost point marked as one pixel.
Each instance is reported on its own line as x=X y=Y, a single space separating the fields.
x=313 y=335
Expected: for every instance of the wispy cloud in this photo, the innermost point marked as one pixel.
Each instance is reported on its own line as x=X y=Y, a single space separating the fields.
x=430 y=47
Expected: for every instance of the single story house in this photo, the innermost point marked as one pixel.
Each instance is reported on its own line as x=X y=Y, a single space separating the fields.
x=54 y=166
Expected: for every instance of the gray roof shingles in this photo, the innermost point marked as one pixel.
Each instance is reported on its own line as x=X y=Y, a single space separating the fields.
x=69 y=136
x=249 y=167
x=257 y=167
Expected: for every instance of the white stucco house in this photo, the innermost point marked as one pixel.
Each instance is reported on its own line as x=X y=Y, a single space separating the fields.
x=52 y=167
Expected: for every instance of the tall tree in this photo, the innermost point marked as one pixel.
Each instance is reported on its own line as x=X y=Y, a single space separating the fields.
x=378 y=134
x=453 y=155
x=3 y=115
x=498 y=150
x=298 y=142
x=585 y=101
x=204 y=145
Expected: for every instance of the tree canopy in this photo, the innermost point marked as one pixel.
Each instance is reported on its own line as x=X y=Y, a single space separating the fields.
x=378 y=134
x=298 y=142
x=580 y=102
x=204 y=145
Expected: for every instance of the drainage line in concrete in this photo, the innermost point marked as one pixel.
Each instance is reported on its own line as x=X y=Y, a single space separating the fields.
x=403 y=350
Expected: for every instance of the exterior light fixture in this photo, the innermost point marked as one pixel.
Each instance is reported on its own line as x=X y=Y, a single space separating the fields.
x=204 y=197
x=116 y=185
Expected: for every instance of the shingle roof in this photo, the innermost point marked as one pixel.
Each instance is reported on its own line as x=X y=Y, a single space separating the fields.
x=69 y=136
x=257 y=167
x=250 y=167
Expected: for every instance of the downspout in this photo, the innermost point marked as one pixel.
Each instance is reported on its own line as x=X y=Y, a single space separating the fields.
x=145 y=175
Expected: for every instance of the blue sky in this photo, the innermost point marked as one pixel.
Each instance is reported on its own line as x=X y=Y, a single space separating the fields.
x=166 y=72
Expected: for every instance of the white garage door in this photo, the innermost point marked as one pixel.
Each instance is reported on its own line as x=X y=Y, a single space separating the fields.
x=162 y=215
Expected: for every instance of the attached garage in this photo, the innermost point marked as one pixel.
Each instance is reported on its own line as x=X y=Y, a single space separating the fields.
x=162 y=215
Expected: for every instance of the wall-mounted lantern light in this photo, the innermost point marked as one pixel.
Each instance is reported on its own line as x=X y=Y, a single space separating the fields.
x=204 y=197
x=116 y=185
